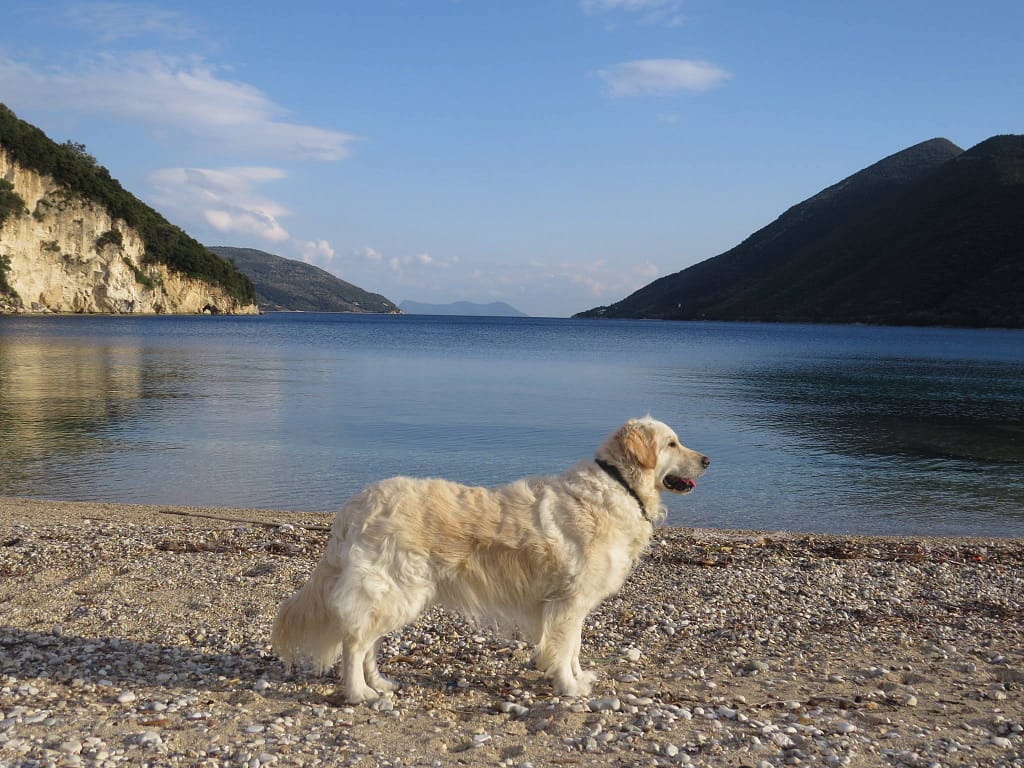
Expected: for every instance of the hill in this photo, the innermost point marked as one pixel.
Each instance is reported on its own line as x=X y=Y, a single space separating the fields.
x=49 y=178
x=931 y=235
x=466 y=308
x=285 y=284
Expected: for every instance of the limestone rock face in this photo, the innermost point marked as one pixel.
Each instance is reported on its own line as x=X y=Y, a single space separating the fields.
x=67 y=254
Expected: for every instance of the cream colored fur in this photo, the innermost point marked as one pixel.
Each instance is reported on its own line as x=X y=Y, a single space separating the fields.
x=539 y=553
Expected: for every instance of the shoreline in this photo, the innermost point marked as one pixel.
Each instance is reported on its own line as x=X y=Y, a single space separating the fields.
x=137 y=635
x=58 y=510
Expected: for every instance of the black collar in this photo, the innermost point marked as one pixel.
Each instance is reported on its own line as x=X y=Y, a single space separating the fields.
x=612 y=470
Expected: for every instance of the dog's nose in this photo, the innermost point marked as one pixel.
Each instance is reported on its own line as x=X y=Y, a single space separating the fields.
x=705 y=461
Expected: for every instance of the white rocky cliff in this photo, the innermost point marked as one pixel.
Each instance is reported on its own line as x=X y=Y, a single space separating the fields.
x=66 y=254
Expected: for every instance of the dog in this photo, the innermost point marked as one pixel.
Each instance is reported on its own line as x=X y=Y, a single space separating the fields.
x=539 y=553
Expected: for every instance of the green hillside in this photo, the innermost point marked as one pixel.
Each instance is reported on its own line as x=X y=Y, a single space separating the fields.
x=286 y=284
x=165 y=243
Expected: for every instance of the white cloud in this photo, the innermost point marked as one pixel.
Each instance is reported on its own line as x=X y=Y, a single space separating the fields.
x=415 y=264
x=166 y=93
x=224 y=199
x=659 y=76
x=110 y=21
x=316 y=251
x=665 y=12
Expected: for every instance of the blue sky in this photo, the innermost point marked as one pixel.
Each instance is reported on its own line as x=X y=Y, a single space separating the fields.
x=554 y=154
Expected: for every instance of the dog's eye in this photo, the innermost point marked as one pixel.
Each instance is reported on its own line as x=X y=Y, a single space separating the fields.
x=673 y=444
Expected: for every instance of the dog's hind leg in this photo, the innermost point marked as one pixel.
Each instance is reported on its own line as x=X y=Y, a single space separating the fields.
x=373 y=605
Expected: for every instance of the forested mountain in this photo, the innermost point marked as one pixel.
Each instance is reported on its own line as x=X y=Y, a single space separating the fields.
x=929 y=236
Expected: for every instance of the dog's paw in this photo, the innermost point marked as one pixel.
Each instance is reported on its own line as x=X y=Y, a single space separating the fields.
x=575 y=686
x=382 y=684
x=359 y=695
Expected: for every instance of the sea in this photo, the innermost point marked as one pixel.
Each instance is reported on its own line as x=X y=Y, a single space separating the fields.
x=816 y=428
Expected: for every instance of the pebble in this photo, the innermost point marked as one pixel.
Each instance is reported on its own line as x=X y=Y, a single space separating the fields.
x=845 y=655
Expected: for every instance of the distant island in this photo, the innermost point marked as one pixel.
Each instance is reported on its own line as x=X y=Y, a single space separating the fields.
x=467 y=308
x=289 y=285
x=931 y=235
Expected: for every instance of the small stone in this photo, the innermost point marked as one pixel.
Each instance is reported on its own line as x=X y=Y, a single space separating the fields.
x=511 y=708
x=126 y=698
x=384 y=704
x=611 y=703
x=70 y=747
x=1001 y=741
x=149 y=738
x=632 y=654
x=670 y=750
x=261 y=685
x=845 y=726
x=782 y=740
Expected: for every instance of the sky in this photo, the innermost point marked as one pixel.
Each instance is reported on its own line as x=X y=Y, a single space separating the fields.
x=553 y=154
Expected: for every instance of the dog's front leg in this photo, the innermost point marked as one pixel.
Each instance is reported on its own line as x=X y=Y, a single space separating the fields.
x=373 y=677
x=353 y=662
x=559 y=648
x=585 y=677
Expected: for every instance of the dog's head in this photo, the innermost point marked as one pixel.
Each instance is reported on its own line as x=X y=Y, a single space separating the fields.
x=648 y=449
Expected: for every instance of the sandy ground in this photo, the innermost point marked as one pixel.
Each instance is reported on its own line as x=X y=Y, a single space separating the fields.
x=134 y=635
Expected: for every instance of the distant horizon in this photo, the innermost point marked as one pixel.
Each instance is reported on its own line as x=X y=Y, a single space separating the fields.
x=419 y=151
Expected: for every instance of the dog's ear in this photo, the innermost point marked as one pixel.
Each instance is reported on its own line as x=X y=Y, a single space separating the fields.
x=639 y=445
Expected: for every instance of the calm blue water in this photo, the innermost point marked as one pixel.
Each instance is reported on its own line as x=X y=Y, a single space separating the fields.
x=815 y=428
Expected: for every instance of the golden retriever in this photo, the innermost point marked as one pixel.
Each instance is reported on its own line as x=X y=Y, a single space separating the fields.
x=539 y=553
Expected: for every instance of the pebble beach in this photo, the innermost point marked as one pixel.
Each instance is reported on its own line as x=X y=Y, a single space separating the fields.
x=138 y=636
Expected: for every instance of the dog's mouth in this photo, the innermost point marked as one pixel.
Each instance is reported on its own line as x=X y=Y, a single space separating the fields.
x=678 y=484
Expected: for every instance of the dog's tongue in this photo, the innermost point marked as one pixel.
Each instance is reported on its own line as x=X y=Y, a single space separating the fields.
x=691 y=484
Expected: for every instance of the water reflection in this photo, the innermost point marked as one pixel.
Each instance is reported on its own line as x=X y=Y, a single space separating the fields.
x=913 y=409
x=917 y=437
x=59 y=402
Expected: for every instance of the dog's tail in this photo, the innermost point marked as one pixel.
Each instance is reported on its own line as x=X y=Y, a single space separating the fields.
x=307 y=625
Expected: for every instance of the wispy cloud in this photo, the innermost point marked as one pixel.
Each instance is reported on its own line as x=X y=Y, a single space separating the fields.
x=665 y=12
x=111 y=21
x=402 y=265
x=600 y=279
x=168 y=94
x=226 y=201
x=661 y=76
